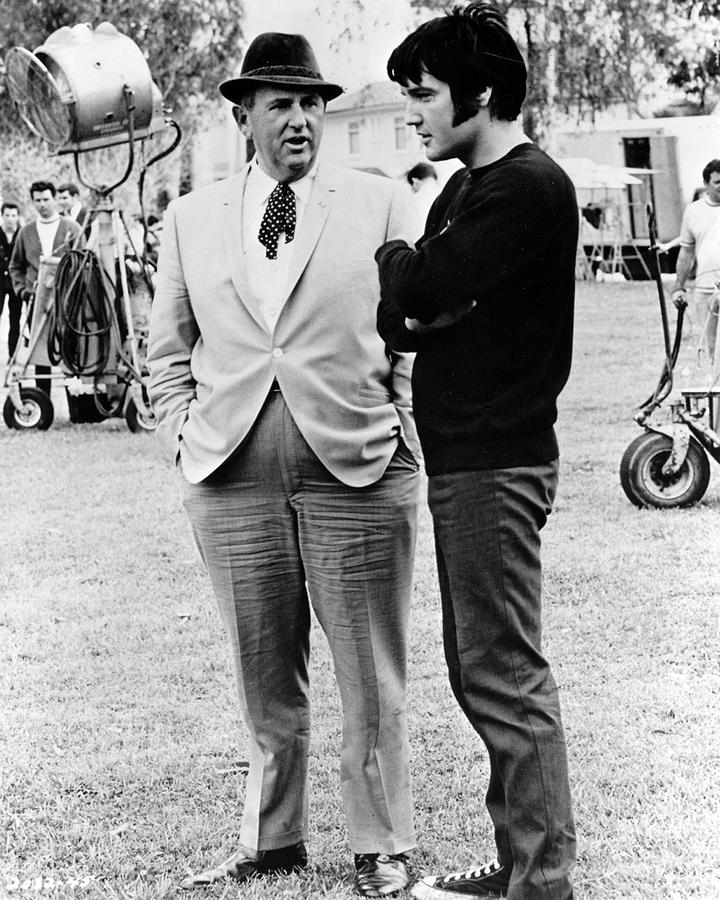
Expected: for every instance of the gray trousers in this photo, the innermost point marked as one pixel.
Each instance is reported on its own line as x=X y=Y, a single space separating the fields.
x=487 y=534
x=278 y=533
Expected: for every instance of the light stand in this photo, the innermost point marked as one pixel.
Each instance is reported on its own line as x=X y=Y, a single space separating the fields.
x=85 y=90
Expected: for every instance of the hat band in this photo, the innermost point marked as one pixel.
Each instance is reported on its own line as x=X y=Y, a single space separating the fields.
x=283 y=71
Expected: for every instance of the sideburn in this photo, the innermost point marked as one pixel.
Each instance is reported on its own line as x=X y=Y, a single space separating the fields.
x=465 y=110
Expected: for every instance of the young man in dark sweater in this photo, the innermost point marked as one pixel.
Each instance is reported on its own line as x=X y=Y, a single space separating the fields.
x=486 y=300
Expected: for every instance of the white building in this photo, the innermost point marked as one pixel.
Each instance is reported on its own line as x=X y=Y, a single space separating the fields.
x=367 y=130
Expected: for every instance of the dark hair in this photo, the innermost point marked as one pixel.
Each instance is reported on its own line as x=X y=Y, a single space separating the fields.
x=420 y=170
x=470 y=49
x=70 y=187
x=40 y=186
x=712 y=166
x=8 y=205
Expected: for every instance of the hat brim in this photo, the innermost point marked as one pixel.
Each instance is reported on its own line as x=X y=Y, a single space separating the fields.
x=234 y=89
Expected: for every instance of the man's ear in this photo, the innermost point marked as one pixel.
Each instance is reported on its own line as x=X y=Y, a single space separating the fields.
x=241 y=117
x=483 y=98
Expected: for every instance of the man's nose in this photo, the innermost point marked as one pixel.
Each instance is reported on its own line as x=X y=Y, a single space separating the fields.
x=412 y=117
x=298 y=119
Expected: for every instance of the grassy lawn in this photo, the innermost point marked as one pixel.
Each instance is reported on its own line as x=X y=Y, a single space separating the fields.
x=122 y=760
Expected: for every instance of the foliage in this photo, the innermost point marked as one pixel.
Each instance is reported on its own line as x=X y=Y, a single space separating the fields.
x=693 y=56
x=585 y=55
x=24 y=159
x=190 y=44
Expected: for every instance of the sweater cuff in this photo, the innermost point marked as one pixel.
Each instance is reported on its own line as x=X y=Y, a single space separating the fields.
x=390 y=245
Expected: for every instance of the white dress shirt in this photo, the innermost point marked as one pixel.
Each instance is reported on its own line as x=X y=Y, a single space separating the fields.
x=268 y=277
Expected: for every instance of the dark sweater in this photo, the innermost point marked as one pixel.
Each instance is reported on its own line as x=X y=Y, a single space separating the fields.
x=485 y=388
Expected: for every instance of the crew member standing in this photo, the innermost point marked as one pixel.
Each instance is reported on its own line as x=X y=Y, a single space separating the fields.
x=700 y=255
x=70 y=204
x=9 y=228
x=50 y=234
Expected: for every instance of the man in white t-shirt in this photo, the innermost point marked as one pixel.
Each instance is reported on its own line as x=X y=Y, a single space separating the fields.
x=50 y=234
x=700 y=252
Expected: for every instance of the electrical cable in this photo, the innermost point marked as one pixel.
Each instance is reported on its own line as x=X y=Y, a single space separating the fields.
x=665 y=383
x=141 y=187
x=81 y=318
x=82 y=322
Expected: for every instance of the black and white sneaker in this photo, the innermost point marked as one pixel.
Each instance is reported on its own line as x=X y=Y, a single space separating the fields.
x=488 y=881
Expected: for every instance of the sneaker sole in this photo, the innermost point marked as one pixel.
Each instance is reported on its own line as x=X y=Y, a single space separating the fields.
x=423 y=891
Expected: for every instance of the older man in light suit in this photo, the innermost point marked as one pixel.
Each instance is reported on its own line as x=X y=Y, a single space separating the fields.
x=291 y=423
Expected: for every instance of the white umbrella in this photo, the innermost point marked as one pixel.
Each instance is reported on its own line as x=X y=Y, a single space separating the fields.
x=587 y=174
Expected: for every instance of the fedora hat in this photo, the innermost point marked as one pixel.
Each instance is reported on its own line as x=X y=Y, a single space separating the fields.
x=283 y=60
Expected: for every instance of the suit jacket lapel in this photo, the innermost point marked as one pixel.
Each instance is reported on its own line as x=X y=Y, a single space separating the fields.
x=234 y=246
x=311 y=228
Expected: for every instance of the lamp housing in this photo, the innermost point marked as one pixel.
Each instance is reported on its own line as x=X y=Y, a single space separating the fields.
x=85 y=89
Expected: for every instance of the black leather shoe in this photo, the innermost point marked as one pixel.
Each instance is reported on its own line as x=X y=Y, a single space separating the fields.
x=380 y=875
x=241 y=867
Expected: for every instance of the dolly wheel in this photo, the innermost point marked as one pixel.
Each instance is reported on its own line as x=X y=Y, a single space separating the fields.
x=137 y=419
x=37 y=411
x=642 y=477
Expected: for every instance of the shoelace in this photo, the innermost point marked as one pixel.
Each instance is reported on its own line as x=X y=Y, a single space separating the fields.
x=488 y=869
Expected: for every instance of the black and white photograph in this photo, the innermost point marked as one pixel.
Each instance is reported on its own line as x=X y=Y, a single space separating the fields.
x=360 y=449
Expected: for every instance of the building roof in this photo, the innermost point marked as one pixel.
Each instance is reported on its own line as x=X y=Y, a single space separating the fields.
x=375 y=94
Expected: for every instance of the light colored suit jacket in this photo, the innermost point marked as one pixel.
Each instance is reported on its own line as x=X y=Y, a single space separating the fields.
x=212 y=358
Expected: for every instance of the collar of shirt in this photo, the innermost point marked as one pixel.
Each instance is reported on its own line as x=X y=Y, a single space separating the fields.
x=260 y=185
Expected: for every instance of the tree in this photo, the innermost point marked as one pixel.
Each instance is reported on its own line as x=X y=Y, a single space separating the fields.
x=693 y=55
x=190 y=45
x=585 y=55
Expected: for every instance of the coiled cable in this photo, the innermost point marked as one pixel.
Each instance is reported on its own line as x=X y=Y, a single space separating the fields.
x=82 y=316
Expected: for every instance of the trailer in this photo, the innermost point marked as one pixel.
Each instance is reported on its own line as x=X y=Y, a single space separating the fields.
x=667 y=156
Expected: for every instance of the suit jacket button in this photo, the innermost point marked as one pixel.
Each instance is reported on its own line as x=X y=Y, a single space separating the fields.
x=277 y=351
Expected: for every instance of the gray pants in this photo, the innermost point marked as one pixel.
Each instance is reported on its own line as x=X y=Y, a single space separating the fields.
x=274 y=526
x=487 y=533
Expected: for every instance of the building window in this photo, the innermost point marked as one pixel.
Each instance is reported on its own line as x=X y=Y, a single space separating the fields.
x=401 y=135
x=354 y=138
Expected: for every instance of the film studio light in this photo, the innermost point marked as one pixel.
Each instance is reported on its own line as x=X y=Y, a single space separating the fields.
x=85 y=89
x=82 y=90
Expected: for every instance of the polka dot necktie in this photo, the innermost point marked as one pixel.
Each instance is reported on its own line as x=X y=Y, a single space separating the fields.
x=279 y=216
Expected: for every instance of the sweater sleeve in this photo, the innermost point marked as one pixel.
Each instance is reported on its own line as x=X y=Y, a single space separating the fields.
x=504 y=223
